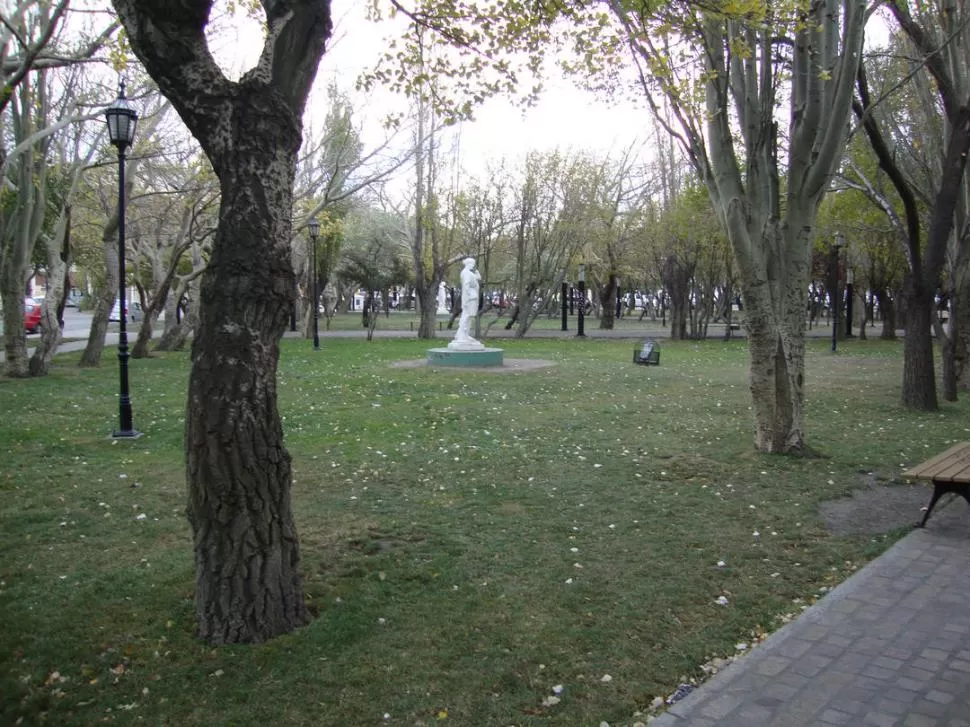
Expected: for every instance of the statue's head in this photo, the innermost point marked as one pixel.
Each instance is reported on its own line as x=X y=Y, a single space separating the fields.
x=469 y=262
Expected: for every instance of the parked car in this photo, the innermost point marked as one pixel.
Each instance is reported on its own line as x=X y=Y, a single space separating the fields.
x=32 y=309
x=134 y=312
x=73 y=299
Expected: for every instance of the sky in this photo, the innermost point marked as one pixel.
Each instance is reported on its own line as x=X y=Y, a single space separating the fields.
x=565 y=116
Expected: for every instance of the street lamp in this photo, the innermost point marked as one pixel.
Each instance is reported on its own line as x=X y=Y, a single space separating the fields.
x=848 y=296
x=836 y=279
x=314 y=227
x=122 y=119
x=581 y=316
x=563 y=294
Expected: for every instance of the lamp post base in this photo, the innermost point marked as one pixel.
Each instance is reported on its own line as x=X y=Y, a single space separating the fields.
x=125 y=434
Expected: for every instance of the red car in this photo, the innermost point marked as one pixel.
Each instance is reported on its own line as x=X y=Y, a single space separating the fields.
x=32 y=308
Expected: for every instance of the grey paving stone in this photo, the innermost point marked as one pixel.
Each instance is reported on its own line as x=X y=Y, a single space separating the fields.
x=896 y=652
x=778 y=691
x=918 y=674
x=890 y=706
x=721 y=706
x=899 y=694
x=773 y=665
x=793 y=648
x=890 y=646
x=878 y=672
x=918 y=720
x=881 y=719
x=931 y=665
x=938 y=696
x=755 y=715
x=888 y=662
x=929 y=709
x=835 y=717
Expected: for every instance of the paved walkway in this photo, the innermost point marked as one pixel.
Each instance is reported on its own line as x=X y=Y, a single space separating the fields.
x=890 y=646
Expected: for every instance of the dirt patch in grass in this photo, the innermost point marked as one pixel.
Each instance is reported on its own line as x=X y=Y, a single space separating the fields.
x=878 y=509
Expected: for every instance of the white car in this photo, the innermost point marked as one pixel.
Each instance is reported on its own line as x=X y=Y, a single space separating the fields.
x=135 y=312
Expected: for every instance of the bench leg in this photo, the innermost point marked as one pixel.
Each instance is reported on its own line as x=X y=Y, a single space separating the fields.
x=938 y=491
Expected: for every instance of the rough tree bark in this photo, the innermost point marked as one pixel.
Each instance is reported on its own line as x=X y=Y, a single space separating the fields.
x=247 y=558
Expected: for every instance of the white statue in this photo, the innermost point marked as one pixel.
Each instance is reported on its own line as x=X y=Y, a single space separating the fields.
x=469 y=308
x=442 y=298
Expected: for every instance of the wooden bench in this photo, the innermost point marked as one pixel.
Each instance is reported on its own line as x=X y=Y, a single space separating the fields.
x=949 y=472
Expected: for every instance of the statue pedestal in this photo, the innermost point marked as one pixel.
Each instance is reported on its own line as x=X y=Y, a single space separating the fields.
x=461 y=357
x=470 y=345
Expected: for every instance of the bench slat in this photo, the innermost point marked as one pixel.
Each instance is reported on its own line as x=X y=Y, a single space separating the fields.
x=953 y=465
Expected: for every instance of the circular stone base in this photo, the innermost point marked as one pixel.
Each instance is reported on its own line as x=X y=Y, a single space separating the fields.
x=465 y=359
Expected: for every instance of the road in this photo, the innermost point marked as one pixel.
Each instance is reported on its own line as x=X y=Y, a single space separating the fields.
x=77 y=324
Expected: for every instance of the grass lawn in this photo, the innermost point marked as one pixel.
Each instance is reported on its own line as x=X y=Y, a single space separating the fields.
x=470 y=541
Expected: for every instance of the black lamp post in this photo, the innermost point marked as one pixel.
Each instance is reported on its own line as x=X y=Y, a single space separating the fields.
x=564 y=294
x=848 y=296
x=581 y=314
x=836 y=279
x=122 y=119
x=314 y=227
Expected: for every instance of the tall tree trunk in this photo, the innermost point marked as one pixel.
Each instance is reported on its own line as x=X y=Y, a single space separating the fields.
x=247 y=559
x=14 y=337
x=59 y=261
x=774 y=308
x=247 y=556
x=676 y=281
x=427 y=295
x=887 y=314
x=608 y=301
x=106 y=297
x=919 y=380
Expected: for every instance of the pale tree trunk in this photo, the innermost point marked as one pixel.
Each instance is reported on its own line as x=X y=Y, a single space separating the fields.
x=108 y=294
x=178 y=329
x=733 y=145
x=424 y=241
x=774 y=307
x=27 y=105
x=58 y=262
x=19 y=236
x=14 y=336
x=247 y=559
x=162 y=285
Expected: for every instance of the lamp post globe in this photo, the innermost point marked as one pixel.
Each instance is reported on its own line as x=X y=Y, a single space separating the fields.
x=122 y=120
x=314 y=228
